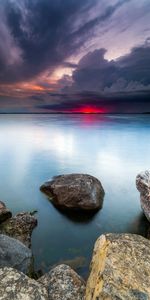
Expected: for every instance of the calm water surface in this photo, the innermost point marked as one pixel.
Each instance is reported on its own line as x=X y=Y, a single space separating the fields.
x=33 y=148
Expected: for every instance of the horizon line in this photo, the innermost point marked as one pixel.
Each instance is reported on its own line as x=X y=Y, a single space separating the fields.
x=70 y=113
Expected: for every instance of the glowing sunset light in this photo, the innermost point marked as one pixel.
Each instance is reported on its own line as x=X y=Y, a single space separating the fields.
x=89 y=110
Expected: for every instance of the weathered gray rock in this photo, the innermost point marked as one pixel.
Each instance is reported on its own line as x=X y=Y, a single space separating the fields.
x=120 y=268
x=75 y=191
x=14 y=254
x=4 y=212
x=63 y=283
x=143 y=186
x=20 y=227
x=14 y=285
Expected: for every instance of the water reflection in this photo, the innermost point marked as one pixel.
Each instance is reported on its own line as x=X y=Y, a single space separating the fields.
x=83 y=217
x=36 y=148
x=141 y=223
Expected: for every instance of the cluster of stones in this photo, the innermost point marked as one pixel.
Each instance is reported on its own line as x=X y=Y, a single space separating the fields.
x=15 y=239
x=16 y=264
x=119 y=270
x=120 y=266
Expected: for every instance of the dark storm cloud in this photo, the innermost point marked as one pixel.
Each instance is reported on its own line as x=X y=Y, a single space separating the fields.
x=120 y=85
x=128 y=74
x=114 y=103
x=36 y=35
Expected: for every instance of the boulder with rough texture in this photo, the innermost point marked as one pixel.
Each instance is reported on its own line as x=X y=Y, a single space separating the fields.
x=143 y=186
x=14 y=285
x=4 y=212
x=120 y=268
x=15 y=254
x=63 y=283
x=20 y=227
x=75 y=191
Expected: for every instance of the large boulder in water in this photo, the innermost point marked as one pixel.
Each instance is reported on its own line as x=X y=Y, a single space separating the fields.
x=63 y=283
x=4 y=212
x=15 y=254
x=143 y=186
x=20 y=227
x=14 y=285
x=120 y=268
x=75 y=191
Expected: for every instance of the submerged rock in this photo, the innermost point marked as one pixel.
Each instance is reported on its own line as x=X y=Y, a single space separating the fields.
x=63 y=283
x=4 y=212
x=74 y=263
x=143 y=186
x=75 y=191
x=14 y=254
x=20 y=227
x=120 y=268
x=15 y=285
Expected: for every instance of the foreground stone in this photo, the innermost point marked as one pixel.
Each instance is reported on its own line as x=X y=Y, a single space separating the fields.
x=143 y=186
x=14 y=285
x=14 y=254
x=63 y=283
x=75 y=191
x=4 y=212
x=20 y=227
x=120 y=268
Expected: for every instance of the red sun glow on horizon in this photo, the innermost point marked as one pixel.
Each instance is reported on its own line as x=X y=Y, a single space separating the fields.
x=89 y=110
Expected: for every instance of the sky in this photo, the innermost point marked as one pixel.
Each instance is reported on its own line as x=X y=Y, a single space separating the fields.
x=87 y=56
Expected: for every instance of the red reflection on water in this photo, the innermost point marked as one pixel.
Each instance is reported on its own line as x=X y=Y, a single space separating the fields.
x=91 y=114
x=89 y=119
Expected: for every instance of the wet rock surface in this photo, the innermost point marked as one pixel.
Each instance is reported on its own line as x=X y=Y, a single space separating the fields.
x=120 y=268
x=20 y=227
x=4 y=212
x=15 y=285
x=75 y=191
x=62 y=283
x=143 y=186
x=15 y=254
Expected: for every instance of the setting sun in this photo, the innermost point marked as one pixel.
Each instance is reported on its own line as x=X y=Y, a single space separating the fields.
x=89 y=110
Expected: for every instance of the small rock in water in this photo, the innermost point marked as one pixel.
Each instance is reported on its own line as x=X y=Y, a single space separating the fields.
x=15 y=254
x=20 y=227
x=75 y=191
x=63 y=283
x=75 y=263
x=143 y=186
x=14 y=285
x=4 y=212
x=120 y=268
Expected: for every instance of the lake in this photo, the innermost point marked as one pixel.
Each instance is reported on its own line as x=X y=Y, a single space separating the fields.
x=113 y=148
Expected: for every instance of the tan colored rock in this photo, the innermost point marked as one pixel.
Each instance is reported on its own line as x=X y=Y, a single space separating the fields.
x=120 y=268
x=14 y=285
x=63 y=283
x=4 y=212
x=75 y=191
x=20 y=227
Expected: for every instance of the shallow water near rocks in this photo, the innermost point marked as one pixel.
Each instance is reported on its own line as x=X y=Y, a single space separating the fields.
x=34 y=148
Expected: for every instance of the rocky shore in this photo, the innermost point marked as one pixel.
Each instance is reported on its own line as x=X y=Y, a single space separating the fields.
x=120 y=265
